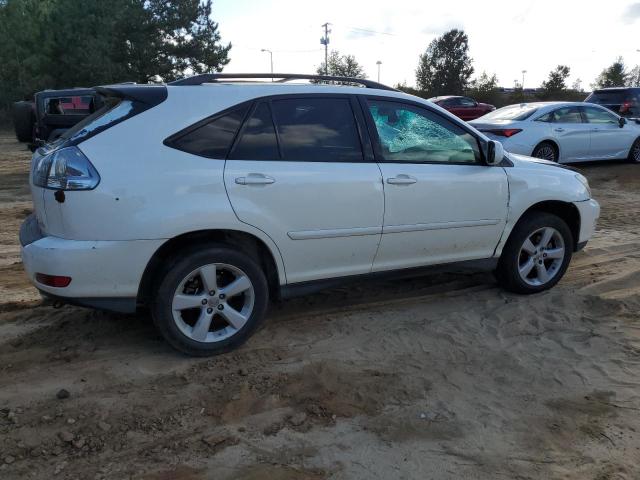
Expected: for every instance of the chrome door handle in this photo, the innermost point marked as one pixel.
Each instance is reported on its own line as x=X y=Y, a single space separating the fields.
x=559 y=129
x=255 y=179
x=402 y=179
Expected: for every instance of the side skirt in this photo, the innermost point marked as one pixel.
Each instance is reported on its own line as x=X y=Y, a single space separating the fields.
x=305 y=288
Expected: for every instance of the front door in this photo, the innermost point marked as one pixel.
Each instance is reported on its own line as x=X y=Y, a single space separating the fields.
x=608 y=140
x=442 y=204
x=309 y=184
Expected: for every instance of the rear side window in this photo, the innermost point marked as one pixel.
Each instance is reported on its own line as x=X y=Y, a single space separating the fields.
x=545 y=118
x=317 y=130
x=567 y=115
x=214 y=138
x=258 y=137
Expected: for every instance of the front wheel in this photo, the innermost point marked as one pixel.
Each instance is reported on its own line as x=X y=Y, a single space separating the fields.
x=634 y=153
x=536 y=255
x=210 y=300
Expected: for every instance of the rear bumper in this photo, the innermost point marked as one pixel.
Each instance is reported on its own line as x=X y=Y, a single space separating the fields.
x=589 y=214
x=104 y=274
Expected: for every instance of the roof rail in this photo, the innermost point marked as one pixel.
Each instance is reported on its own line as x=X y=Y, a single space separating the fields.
x=282 y=77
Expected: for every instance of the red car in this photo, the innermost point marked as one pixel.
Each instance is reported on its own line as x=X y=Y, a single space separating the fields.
x=463 y=107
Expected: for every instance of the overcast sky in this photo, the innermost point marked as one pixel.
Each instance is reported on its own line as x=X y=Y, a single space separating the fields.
x=505 y=37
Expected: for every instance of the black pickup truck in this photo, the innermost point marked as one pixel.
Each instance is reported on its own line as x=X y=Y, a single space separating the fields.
x=52 y=112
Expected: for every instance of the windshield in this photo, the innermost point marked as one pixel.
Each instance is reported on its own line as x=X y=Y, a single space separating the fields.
x=512 y=112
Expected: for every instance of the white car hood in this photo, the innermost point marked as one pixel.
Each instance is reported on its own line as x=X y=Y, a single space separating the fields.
x=525 y=161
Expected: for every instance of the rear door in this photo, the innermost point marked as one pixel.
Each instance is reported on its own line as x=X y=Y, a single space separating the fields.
x=572 y=133
x=442 y=204
x=608 y=140
x=302 y=170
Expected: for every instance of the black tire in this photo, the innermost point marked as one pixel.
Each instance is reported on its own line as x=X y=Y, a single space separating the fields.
x=177 y=269
x=546 y=151
x=634 y=153
x=23 y=120
x=508 y=271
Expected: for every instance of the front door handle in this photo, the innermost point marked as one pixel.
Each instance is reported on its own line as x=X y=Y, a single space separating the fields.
x=255 y=179
x=402 y=179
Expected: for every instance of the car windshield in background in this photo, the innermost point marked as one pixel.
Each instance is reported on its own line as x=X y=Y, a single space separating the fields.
x=608 y=97
x=512 y=112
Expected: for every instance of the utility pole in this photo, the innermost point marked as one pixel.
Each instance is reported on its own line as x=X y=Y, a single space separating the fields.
x=378 y=63
x=271 y=57
x=325 y=41
x=523 y=72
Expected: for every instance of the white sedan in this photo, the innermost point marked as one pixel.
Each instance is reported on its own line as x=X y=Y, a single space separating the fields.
x=563 y=131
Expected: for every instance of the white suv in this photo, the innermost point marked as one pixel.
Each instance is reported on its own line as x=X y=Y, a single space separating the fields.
x=204 y=198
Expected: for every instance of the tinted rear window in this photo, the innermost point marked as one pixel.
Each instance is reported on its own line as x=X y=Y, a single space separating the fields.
x=609 y=97
x=512 y=112
x=214 y=138
x=258 y=138
x=317 y=130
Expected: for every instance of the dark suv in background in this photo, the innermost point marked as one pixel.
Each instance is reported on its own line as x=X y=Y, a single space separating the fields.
x=625 y=101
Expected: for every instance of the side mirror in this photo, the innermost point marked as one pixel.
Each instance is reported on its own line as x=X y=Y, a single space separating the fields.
x=495 y=152
x=621 y=122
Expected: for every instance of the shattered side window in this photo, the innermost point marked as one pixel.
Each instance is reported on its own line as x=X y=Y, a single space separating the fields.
x=412 y=134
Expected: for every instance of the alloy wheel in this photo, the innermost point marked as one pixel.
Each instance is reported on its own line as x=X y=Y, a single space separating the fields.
x=546 y=152
x=213 y=302
x=635 y=154
x=541 y=256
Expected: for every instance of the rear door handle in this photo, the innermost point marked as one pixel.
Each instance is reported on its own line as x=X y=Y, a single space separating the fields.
x=402 y=179
x=255 y=179
x=559 y=129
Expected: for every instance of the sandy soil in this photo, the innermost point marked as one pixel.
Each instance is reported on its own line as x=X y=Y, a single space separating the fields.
x=440 y=377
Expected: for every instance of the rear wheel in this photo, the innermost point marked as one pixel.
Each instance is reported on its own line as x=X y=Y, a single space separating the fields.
x=536 y=255
x=546 y=151
x=634 y=153
x=210 y=300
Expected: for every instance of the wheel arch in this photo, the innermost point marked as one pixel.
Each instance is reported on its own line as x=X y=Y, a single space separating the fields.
x=567 y=211
x=243 y=241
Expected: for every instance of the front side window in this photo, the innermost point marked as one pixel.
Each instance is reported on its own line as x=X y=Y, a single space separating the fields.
x=214 y=138
x=417 y=135
x=596 y=115
x=317 y=130
x=567 y=115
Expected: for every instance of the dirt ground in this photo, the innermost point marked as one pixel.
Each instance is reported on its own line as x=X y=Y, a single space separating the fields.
x=439 y=377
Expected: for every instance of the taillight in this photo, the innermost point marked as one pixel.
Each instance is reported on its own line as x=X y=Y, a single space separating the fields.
x=65 y=169
x=504 y=132
x=625 y=107
x=57 y=281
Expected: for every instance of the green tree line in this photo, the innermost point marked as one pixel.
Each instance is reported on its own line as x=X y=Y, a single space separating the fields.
x=446 y=68
x=69 y=43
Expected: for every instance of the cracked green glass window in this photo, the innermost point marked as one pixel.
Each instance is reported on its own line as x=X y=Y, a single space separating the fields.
x=412 y=134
